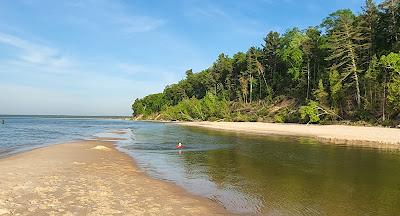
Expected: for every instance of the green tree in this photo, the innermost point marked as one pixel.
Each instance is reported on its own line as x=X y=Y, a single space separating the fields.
x=313 y=56
x=320 y=94
x=392 y=9
x=348 y=67
x=392 y=63
x=374 y=85
x=310 y=112
x=336 y=87
x=346 y=45
x=220 y=72
x=175 y=93
x=253 y=69
x=368 y=22
x=292 y=53
x=271 y=49
x=235 y=86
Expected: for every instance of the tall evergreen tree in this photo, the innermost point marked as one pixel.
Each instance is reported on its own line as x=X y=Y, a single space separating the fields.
x=368 y=22
x=312 y=55
x=389 y=25
x=346 y=44
x=271 y=61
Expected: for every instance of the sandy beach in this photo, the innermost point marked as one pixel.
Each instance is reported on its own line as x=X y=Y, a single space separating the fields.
x=89 y=178
x=377 y=137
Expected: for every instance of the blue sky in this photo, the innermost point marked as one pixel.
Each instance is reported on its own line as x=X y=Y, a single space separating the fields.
x=94 y=57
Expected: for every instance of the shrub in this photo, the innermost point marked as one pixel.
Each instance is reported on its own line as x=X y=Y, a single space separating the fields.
x=310 y=112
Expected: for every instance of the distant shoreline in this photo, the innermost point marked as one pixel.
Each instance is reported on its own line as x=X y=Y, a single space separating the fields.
x=375 y=137
x=64 y=116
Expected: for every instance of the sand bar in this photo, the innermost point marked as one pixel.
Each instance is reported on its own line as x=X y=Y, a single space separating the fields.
x=89 y=178
x=378 y=137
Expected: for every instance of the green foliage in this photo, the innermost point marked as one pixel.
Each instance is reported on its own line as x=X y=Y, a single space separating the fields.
x=292 y=53
x=310 y=112
x=373 y=86
x=392 y=63
x=214 y=107
x=347 y=44
x=394 y=93
x=149 y=104
x=174 y=94
x=336 y=86
x=279 y=117
x=320 y=94
x=348 y=68
x=208 y=108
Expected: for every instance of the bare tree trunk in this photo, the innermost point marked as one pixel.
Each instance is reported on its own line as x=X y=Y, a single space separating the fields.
x=384 y=100
x=308 y=78
x=358 y=90
x=259 y=83
x=353 y=61
x=251 y=88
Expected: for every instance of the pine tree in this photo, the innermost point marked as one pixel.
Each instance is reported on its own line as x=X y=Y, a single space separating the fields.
x=392 y=8
x=336 y=88
x=310 y=47
x=346 y=44
x=271 y=47
x=392 y=63
x=368 y=23
x=320 y=94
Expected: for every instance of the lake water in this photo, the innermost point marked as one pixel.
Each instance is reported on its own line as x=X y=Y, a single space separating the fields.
x=248 y=174
x=20 y=133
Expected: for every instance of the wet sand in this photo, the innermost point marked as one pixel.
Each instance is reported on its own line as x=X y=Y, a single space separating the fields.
x=89 y=178
x=376 y=137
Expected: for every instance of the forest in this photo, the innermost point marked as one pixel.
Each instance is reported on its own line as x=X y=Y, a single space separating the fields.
x=345 y=70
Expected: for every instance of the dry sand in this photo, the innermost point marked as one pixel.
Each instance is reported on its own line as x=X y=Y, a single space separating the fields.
x=339 y=134
x=89 y=178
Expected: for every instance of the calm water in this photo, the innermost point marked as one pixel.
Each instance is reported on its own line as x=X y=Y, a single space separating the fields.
x=247 y=174
x=24 y=133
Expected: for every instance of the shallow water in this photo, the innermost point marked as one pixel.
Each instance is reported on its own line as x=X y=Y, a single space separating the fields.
x=248 y=174
x=267 y=175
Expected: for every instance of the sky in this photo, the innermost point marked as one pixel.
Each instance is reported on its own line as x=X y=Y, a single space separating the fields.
x=95 y=57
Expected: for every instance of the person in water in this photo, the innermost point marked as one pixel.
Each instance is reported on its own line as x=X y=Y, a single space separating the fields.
x=180 y=146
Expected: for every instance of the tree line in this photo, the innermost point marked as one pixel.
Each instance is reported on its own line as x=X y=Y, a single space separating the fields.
x=345 y=69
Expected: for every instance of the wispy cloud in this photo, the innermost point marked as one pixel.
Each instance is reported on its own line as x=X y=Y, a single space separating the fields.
x=137 y=24
x=35 y=54
x=41 y=77
x=232 y=18
x=115 y=14
x=210 y=11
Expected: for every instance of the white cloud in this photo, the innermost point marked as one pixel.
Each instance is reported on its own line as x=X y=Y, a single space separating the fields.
x=211 y=11
x=39 y=79
x=225 y=17
x=131 y=24
x=33 y=54
x=113 y=13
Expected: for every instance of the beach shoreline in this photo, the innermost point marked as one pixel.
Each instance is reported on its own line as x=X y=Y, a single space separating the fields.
x=375 y=137
x=90 y=178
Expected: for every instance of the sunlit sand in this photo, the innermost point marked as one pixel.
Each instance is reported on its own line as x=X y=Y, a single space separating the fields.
x=377 y=137
x=89 y=178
